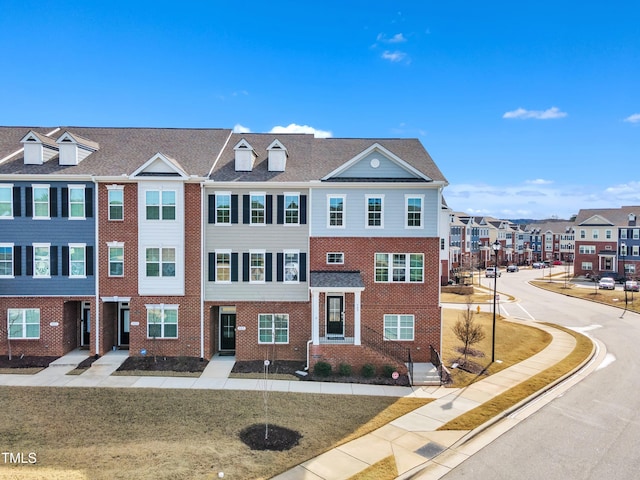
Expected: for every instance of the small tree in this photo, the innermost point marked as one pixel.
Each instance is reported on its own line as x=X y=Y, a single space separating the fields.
x=467 y=331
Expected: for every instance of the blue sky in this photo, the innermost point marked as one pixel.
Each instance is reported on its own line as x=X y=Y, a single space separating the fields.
x=530 y=109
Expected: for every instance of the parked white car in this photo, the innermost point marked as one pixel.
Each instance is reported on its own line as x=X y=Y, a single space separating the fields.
x=607 y=283
x=491 y=272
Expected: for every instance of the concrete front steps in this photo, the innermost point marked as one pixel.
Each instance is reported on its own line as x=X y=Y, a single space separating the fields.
x=425 y=374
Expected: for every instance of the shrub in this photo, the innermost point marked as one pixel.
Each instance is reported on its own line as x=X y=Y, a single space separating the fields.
x=368 y=370
x=344 y=370
x=322 y=369
x=388 y=370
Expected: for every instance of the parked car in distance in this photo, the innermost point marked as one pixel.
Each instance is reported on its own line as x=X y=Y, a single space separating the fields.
x=631 y=286
x=538 y=265
x=512 y=268
x=490 y=272
x=607 y=283
x=557 y=262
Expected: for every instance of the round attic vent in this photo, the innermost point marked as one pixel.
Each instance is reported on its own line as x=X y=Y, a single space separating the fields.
x=375 y=163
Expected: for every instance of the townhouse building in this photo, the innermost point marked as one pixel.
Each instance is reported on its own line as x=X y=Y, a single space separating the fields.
x=202 y=241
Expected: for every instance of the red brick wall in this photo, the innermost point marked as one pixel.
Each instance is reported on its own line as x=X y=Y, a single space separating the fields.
x=354 y=355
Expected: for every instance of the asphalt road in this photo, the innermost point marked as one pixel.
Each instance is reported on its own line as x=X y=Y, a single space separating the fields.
x=590 y=431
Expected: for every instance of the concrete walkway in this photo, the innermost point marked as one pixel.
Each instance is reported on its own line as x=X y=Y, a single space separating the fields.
x=419 y=449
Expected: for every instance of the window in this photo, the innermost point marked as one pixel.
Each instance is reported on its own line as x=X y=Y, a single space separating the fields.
x=405 y=267
x=398 y=327
x=223 y=208
x=258 y=209
x=587 y=266
x=273 y=328
x=594 y=234
x=223 y=266
x=607 y=234
x=6 y=201
x=257 y=266
x=116 y=260
x=587 y=249
x=76 y=201
x=161 y=262
x=162 y=321
x=23 y=322
x=374 y=211
x=161 y=205
x=636 y=233
x=583 y=234
x=623 y=234
x=291 y=209
x=635 y=250
x=291 y=266
x=336 y=210
x=116 y=202
x=41 y=260
x=413 y=211
x=6 y=260
x=335 y=258
x=41 y=201
x=77 y=260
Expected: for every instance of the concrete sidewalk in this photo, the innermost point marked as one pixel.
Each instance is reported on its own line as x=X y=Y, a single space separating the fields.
x=419 y=449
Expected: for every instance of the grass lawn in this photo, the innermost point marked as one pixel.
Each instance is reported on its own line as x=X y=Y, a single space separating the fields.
x=103 y=433
x=615 y=298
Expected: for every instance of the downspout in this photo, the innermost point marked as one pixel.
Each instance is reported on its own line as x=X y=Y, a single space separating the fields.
x=201 y=271
x=96 y=270
x=306 y=367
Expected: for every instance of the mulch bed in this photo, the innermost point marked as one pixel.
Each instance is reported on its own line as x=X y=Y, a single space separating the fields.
x=269 y=437
x=163 y=364
x=25 y=361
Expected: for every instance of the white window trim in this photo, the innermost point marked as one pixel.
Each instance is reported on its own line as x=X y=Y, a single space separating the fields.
x=48 y=247
x=366 y=210
x=264 y=208
x=115 y=188
x=111 y=245
x=335 y=253
x=161 y=205
x=162 y=307
x=407 y=197
x=273 y=329
x=407 y=267
x=284 y=213
x=24 y=324
x=344 y=211
x=398 y=339
x=84 y=206
x=218 y=195
x=226 y=252
x=284 y=266
x=33 y=201
x=84 y=261
x=264 y=256
x=11 y=246
x=160 y=248
x=10 y=187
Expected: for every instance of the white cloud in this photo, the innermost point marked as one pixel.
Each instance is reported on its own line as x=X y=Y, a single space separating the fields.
x=396 y=56
x=237 y=128
x=539 y=181
x=635 y=118
x=293 y=128
x=397 y=38
x=548 y=114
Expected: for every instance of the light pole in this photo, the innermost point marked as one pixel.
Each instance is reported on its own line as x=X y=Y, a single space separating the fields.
x=496 y=248
x=623 y=253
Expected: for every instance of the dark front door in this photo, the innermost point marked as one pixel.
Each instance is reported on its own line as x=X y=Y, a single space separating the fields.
x=124 y=326
x=85 y=336
x=335 y=316
x=227 y=331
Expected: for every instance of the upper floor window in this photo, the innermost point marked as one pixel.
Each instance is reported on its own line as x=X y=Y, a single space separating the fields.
x=161 y=262
x=223 y=208
x=23 y=322
x=335 y=258
x=291 y=266
x=257 y=264
x=161 y=204
x=636 y=233
x=607 y=234
x=336 y=209
x=76 y=202
x=374 y=211
x=413 y=211
x=6 y=201
x=6 y=260
x=399 y=267
x=41 y=260
x=77 y=260
x=583 y=234
x=116 y=260
x=41 y=201
x=258 y=209
x=595 y=234
x=223 y=266
x=623 y=234
x=291 y=209
x=116 y=202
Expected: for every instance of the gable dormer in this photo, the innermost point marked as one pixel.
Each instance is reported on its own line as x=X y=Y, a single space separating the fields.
x=245 y=156
x=160 y=165
x=38 y=148
x=632 y=219
x=74 y=149
x=277 y=156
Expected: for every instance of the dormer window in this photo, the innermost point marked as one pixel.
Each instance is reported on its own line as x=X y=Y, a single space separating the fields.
x=245 y=156
x=38 y=148
x=74 y=149
x=277 y=157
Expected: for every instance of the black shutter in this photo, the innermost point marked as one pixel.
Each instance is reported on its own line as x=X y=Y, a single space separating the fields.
x=65 y=202
x=17 y=261
x=28 y=201
x=279 y=267
x=280 y=206
x=246 y=209
x=65 y=261
x=303 y=209
x=53 y=202
x=212 y=263
x=212 y=209
x=234 y=267
x=269 y=267
x=88 y=202
x=234 y=208
x=245 y=267
x=303 y=267
x=89 y=260
x=29 y=260
x=17 y=211
x=269 y=207
x=53 y=260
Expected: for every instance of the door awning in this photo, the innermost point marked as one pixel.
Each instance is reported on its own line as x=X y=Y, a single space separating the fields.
x=344 y=281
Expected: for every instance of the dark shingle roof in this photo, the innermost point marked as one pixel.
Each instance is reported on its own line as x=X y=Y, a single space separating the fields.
x=335 y=279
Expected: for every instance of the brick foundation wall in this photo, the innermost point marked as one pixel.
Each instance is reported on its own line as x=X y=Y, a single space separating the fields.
x=354 y=355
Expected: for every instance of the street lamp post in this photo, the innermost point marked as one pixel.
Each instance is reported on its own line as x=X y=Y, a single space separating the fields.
x=496 y=248
x=623 y=253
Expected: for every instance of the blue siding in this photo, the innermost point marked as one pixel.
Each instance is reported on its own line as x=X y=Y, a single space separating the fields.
x=59 y=231
x=385 y=168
